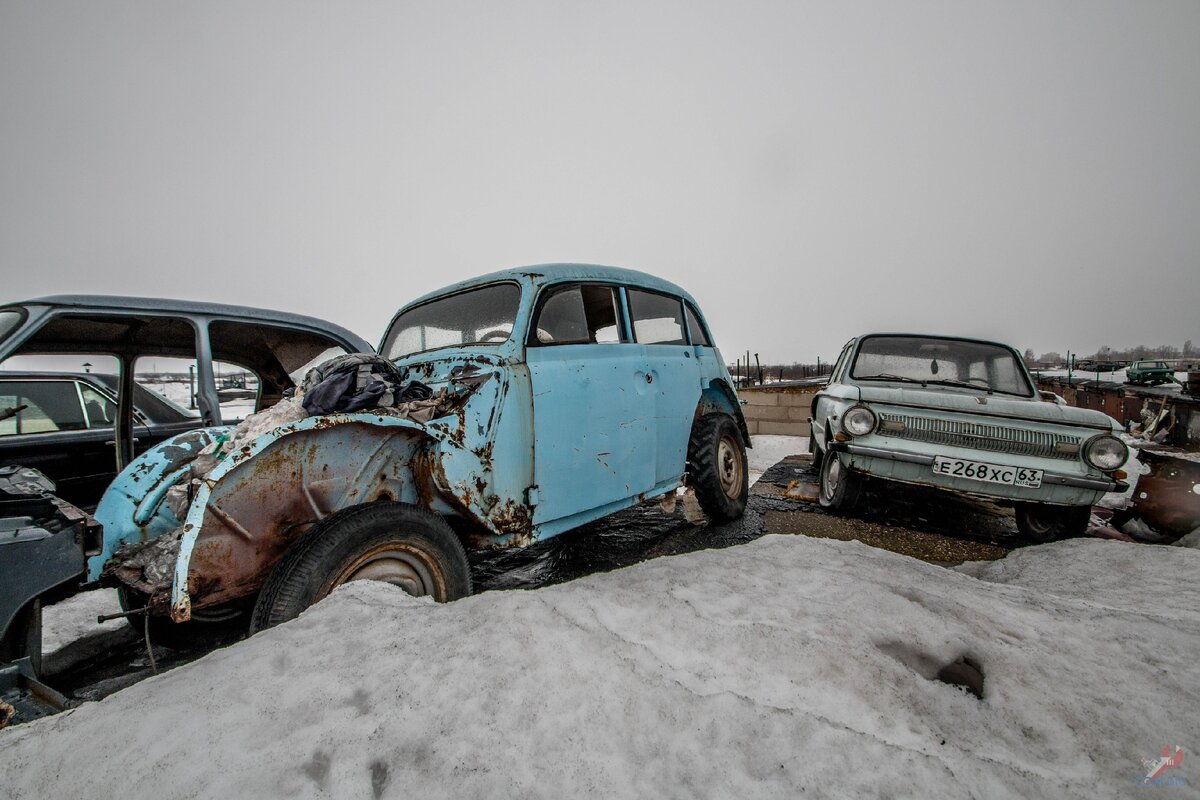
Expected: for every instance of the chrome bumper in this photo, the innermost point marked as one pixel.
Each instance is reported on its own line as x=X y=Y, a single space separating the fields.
x=1052 y=478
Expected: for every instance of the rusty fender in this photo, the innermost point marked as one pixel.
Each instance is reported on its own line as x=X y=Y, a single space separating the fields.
x=255 y=503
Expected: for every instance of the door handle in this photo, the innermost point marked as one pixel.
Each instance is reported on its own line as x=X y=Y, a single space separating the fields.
x=114 y=441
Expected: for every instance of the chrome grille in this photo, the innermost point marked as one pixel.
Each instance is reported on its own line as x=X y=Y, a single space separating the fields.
x=981 y=435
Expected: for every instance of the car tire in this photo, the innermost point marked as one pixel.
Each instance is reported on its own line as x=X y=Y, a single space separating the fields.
x=717 y=468
x=1045 y=523
x=206 y=628
x=396 y=543
x=839 y=486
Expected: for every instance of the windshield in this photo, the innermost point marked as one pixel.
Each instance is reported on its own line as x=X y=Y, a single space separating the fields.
x=478 y=316
x=940 y=362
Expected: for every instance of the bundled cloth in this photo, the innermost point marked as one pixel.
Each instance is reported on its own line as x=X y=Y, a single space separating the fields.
x=348 y=383
x=357 y=381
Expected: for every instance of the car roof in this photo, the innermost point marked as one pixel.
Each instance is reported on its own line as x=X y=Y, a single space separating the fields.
x=158 y=305
x=31 y=373
x=538 y=275
x=935 y=336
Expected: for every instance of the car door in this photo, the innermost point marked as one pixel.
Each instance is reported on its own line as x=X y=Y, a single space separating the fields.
x=592 y=403
x=672 y=375
x=53 y=434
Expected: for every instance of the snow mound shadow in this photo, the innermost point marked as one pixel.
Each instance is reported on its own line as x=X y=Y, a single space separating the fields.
x=965 y=671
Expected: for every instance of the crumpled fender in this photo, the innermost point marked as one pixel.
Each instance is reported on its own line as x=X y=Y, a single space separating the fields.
x=132 y=508
x=256 y=501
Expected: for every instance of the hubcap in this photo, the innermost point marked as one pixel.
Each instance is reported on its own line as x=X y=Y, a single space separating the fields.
x=393 y=563
x=833 y=474
x=729 y=467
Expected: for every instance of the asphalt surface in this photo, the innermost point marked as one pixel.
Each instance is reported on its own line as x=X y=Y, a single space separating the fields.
x=928 y=525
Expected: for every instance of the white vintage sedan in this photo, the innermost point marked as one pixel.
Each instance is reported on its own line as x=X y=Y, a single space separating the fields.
x=961 y=415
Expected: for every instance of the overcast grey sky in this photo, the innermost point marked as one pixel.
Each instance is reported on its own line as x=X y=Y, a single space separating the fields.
x=1027 y=171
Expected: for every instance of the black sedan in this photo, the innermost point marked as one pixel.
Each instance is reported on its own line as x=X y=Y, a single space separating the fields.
x=61 y=423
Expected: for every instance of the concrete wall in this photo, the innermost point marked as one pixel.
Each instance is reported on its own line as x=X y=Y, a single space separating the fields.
x=777 y=410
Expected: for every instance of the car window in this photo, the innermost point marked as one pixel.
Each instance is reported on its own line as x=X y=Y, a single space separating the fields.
x=698 y=333
x=49 y=406
x=174 y=381
x=578 y=314
x=657 y=318
x=100 y=410
x=478 y=316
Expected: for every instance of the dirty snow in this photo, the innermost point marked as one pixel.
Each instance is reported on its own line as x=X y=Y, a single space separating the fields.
x=769 y=450
x=69 y=620
x=786 y=666
x=75 y=617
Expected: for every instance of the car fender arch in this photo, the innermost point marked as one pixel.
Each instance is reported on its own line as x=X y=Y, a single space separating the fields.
x=719 y=397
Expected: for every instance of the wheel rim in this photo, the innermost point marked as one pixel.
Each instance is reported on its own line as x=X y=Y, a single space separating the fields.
x=729 y=467
x=400 y=565
x=832 y=473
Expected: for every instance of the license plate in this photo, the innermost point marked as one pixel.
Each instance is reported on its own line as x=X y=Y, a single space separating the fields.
x=989 y=473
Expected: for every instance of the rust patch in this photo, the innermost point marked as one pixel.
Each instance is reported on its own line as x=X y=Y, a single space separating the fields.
x=484 y=454
x=512 y=518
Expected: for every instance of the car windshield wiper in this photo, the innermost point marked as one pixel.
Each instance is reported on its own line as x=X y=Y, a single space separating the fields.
x=967 y=383
x=885 y=376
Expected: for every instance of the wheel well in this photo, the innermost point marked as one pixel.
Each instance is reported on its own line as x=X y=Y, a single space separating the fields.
x=719 y=398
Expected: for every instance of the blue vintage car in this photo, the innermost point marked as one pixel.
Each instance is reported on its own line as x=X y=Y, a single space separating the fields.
x=961 y=415
x=572 y=391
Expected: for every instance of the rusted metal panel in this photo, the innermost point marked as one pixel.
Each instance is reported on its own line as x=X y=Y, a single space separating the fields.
x=1167 y=498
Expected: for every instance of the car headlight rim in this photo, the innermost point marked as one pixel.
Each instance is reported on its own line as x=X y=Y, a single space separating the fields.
x=859 y=421
x=1105 y=452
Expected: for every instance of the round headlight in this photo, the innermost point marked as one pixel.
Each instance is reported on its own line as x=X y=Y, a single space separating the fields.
x=1105 y=452
x=858 y=421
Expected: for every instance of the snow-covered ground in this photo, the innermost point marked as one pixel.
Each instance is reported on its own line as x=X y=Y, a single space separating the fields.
x=75 y=617
x=786 y=666
x=1116 y=376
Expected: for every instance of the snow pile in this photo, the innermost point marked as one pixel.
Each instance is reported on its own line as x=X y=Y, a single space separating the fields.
x=74 y=618
x=785 y=666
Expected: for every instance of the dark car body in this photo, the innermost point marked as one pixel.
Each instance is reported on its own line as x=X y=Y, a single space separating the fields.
x=1149 y=372
x=66 y=427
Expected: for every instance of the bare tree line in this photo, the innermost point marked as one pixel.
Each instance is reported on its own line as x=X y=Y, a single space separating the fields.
x=1109 y=354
